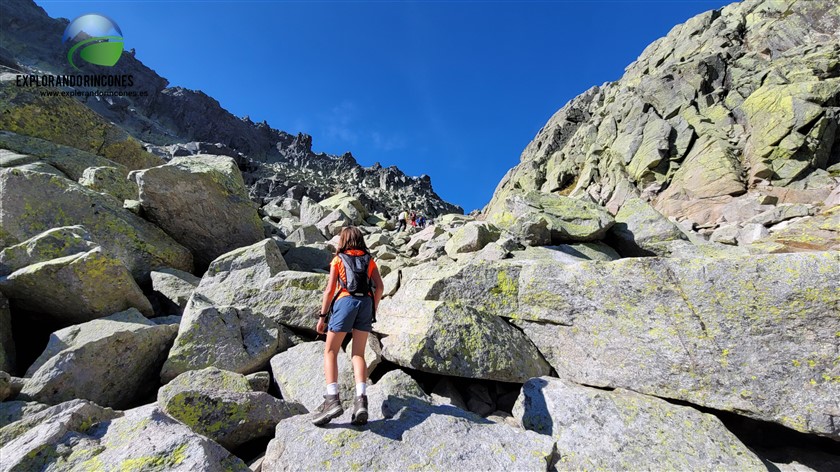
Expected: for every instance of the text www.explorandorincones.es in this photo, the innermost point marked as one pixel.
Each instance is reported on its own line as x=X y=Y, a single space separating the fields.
x=94 y=93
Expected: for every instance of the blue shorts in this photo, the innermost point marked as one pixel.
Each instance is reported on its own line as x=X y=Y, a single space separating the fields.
x=351 y=313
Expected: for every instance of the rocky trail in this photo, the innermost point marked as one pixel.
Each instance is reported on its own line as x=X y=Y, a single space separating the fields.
x=656 y=286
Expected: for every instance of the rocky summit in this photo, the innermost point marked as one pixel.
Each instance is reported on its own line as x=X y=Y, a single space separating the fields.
x=655 y=286
x=728 y=126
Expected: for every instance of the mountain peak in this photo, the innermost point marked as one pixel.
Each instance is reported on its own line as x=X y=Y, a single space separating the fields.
x=169 y=115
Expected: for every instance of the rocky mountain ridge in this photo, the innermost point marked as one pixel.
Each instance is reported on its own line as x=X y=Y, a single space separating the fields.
x=731 y=115
x=166 y=116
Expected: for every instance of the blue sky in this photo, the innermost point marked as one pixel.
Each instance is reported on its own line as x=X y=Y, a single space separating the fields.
x=455 y=90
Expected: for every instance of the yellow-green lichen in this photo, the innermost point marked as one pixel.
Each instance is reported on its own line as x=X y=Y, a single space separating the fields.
x=64 y=120
x=162 y=462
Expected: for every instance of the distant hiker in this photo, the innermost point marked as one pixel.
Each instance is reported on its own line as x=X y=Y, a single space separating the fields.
x=351 y=307
x=413 y=219
x=402 y=220
x=421 y=221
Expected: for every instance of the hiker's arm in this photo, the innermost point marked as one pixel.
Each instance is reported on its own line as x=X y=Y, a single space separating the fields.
x=330 y=290
x=377 y=294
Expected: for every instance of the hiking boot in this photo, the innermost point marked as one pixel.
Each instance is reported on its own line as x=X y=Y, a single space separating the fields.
x=331 y=408
x=360 y=411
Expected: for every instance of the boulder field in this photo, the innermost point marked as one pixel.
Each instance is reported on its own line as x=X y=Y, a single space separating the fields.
x=655 y=286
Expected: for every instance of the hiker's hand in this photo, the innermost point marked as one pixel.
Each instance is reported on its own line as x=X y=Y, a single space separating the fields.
x=322 y=327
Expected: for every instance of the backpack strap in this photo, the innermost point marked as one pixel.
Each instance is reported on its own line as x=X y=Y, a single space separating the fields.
x=334 y=298
x=372 y=288
x=371 y=283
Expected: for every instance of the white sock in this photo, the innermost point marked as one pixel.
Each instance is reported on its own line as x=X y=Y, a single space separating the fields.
x=332 y=389
x=361 y=388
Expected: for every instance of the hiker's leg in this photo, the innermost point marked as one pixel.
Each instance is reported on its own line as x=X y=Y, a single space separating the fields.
x=360 y=404
x=331 y=356
x=362 y=326
x=359 y=364
x=341 y=322
x=331 y=408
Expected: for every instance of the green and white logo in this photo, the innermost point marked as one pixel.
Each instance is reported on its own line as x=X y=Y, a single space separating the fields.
x=96 y=39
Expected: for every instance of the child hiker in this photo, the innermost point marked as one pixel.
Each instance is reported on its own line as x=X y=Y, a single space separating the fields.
x=354 y=273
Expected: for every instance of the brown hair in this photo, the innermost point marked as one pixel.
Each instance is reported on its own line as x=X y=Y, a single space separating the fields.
x=351 y=238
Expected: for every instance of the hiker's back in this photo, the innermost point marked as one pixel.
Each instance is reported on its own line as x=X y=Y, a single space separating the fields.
x=355 y=272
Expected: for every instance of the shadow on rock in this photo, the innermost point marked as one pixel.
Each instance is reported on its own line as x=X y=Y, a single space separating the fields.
x=399 y=415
